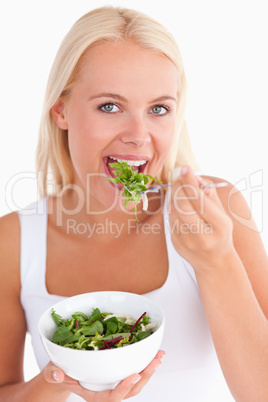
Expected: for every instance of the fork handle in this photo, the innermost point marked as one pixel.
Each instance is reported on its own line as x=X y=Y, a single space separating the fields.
x=214 y=185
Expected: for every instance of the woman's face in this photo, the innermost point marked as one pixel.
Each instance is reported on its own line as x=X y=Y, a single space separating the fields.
x=121 y=107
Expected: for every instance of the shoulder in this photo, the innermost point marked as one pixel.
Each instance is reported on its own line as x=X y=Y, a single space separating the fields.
x=9 y=232
x=247 y=239
x=10 y=250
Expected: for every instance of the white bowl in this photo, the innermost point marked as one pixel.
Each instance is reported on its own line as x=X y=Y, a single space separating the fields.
x=103 y=369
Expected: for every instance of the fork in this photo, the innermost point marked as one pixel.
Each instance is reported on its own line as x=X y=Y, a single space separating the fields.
x=155 y=189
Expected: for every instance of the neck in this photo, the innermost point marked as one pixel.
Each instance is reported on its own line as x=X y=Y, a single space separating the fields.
x=77 y=219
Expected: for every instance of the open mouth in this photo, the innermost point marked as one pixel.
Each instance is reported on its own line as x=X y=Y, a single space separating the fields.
x=139 y=165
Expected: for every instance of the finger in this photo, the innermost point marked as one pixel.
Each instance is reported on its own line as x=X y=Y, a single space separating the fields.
x=53 y=374
x=185 y=217
x=115 y=395
x=187 y=193
x=160 y=354
x=147 y=373
x=191 y=179
x=196 y=201
x=137 y=383
x=155 y=363
x=125 y=387
x=182 y=201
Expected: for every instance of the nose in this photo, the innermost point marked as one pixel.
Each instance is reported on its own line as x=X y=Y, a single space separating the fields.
x=136 y=133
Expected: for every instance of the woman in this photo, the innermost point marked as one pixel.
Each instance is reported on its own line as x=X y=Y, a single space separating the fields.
x=117 y=92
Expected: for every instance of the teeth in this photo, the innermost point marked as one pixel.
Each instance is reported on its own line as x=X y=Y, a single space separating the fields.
x=130 y=163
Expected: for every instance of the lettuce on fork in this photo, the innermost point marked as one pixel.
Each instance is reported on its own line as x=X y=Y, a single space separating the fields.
x=133 y=183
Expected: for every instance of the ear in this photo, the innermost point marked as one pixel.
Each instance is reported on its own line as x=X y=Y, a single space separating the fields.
x=58 y=112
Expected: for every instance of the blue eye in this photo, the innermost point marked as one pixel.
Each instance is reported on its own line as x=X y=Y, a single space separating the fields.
x=160 y=109
x=109 y=108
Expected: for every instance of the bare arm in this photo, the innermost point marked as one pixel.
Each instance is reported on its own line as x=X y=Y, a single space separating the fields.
x=232 y=272
x=12 y=385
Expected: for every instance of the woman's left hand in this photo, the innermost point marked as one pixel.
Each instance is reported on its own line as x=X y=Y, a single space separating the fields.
x=201 y=230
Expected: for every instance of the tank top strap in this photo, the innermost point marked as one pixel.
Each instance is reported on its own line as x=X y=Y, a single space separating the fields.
x=33 y=248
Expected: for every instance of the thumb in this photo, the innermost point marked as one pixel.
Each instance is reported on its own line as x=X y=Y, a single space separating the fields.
x=53 y=374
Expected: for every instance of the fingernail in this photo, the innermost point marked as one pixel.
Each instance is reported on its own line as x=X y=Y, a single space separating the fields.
x=55 y=375
x=184 y=170
x=136 y=379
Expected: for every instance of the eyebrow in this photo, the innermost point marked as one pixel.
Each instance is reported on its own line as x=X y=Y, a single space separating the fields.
x=163 y=98
x=122 y=98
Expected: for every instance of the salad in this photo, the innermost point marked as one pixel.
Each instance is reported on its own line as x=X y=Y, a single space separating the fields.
x=133 y=182
x=100 y=331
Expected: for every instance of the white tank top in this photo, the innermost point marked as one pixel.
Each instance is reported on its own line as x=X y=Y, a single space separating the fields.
x=190 y=371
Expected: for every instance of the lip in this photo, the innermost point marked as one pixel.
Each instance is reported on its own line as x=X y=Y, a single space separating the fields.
x=130 y=157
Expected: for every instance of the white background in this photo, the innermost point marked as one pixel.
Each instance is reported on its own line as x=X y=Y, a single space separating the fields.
x=224 y=47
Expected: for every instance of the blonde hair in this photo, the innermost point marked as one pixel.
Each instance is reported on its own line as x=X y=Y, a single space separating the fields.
x=104 y=24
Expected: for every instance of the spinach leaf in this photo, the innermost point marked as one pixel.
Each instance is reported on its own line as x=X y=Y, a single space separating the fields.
x=63 y=336
x=92 y=329
x=143 y=335
x=56 y=317
x=111 y=327
x=133 y=183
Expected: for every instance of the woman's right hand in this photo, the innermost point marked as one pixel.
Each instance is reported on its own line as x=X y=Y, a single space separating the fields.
x=127 y=388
